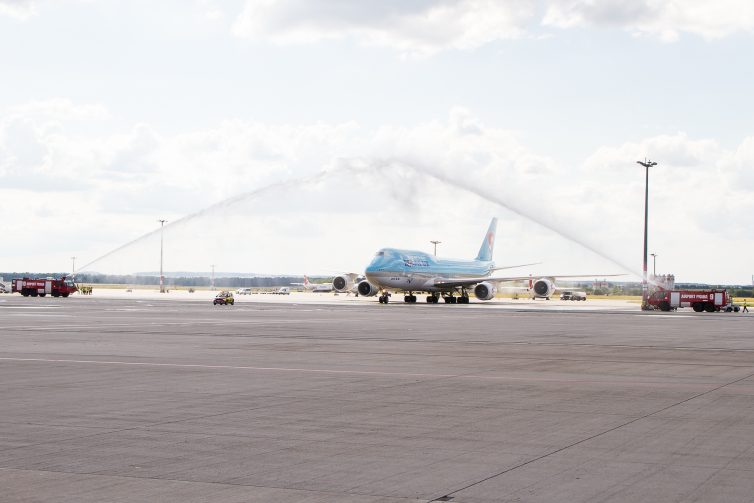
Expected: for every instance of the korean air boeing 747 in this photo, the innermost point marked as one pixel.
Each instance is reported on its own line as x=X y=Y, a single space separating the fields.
x=415 y=271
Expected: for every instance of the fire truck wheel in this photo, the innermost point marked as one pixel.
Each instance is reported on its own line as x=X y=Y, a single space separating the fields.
x=33 y=293
x=709 y=307
x=698 y=307
x=664 y=306
x=65 y=295
x=42 y=294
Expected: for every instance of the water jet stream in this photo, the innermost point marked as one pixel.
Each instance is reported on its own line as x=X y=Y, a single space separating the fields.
x=370 y=168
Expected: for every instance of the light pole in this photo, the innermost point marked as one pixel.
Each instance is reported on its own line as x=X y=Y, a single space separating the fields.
x=435 y=243
x=654 y=264
x=162 y=232
x=644 y=291
x=73 y=266
x=213 y=277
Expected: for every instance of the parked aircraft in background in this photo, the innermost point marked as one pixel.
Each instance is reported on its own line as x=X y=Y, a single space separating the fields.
x=314 y=287
x=411 y=271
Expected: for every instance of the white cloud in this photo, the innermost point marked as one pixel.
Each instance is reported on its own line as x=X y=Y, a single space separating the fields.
x=94 y=192
x=416 y=27
x=424 y=27
x=667 y=19
x=18 y=9
x=674 y=150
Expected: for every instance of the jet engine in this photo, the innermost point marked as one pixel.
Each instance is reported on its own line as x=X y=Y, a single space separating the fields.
x=485 y=291
x=342 y=284
x=543 y=288
x=367 y=289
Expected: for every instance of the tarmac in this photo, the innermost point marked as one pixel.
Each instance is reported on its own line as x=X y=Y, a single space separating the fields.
x=316 y=398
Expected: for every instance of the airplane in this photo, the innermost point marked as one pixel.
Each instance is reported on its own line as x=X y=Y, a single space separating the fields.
x=314 y=287
x=411 y=271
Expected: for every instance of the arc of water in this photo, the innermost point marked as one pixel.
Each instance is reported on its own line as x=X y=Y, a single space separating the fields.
x=369 y=167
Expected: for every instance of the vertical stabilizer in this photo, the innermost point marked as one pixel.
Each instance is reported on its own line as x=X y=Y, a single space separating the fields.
x=488 y=245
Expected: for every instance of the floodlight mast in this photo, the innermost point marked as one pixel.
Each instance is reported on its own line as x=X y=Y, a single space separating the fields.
x=435 y=243
x=162 y=232
x=644 y=287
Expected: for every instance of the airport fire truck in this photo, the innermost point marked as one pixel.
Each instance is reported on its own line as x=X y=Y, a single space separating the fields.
x=699 y=300
x=62 y=287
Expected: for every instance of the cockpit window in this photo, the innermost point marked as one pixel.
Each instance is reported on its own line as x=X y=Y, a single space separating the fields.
x=380 y=254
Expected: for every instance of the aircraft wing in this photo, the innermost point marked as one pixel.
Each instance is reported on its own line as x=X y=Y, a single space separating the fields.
x=466 y=282
x=514 y=266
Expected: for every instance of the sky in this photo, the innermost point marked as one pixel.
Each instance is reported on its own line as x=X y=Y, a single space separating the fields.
x=300 y=136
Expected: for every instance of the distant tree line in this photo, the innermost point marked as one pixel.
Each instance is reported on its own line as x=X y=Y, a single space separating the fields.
x=192 y=281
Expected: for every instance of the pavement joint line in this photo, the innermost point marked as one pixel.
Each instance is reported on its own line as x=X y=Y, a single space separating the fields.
x=592 y=437
x=436 y=341
x=341 y=372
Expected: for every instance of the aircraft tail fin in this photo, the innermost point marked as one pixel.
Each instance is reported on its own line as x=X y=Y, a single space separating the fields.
x=488 y=245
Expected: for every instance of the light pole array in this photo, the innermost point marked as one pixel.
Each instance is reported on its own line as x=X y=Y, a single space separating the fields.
x=213 y=277
x=73 y=266
x=162 y=232
x=644 y=288
x=435 y=243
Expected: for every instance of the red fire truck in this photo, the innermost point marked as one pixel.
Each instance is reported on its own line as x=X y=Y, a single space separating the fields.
x=700 y=300
x=62 y=287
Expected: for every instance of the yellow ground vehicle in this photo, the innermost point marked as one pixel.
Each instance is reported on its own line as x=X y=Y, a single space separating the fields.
x=224 y=299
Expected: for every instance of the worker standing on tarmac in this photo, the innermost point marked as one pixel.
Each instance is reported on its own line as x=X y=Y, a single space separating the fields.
x=746 y=307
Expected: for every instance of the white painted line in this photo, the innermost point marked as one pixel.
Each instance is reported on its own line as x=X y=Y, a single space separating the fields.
x=52 y=306
x=365 y=372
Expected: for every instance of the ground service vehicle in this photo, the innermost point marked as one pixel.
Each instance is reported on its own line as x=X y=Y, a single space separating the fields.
x=568 y=295
x=699 y=300
x=224 y=299
x=62 y=287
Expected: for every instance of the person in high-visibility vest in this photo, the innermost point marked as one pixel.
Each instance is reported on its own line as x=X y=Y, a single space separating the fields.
x=746 y=307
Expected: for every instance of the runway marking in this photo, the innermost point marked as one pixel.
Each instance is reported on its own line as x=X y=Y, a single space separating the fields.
x=356 y=372
x=30 y=307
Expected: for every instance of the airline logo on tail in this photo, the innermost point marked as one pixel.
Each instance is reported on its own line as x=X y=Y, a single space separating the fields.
x=488 y=245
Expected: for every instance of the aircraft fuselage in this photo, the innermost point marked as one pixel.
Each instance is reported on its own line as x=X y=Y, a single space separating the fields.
x=409 y=270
